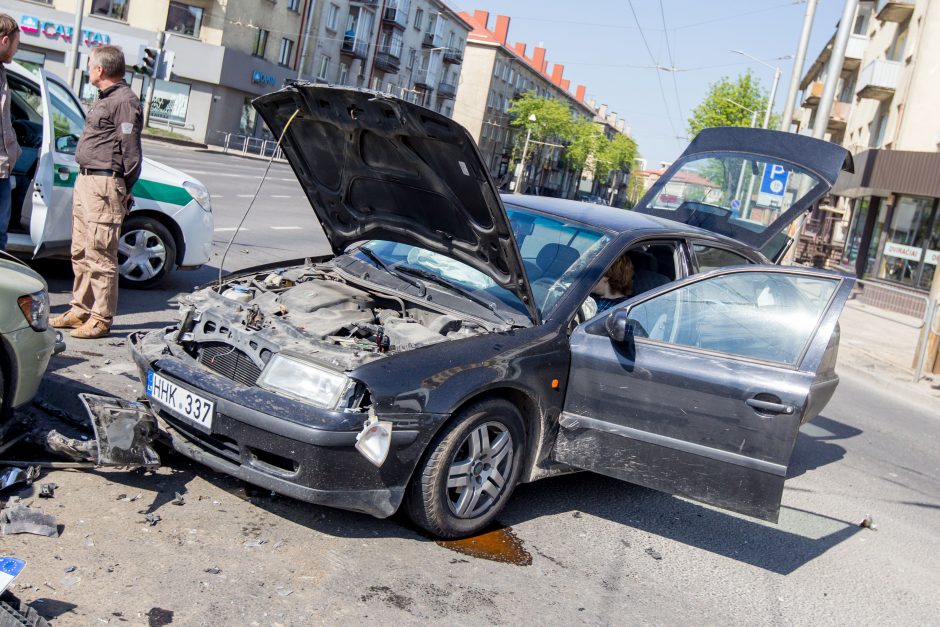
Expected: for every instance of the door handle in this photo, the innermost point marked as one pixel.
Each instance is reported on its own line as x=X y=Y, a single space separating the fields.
x=768 y=407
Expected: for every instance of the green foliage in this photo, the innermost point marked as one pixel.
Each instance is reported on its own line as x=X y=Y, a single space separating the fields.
x=717 y=108
x=615 y=154
x=586 y=140
x=552 y=117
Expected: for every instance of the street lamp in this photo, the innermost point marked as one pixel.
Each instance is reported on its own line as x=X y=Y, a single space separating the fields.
x=753 y=122
x=773 y=86
x=525 y=148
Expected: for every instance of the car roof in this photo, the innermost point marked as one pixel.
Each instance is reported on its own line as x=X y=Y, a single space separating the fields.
x=614 y=220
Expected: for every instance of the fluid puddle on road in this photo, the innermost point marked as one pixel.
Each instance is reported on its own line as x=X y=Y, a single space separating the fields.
x=498 y=545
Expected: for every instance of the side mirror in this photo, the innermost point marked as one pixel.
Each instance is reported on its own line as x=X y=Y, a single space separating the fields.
x=619 y=326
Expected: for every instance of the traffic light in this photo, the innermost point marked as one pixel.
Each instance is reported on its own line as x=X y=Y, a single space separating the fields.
x=148 y=61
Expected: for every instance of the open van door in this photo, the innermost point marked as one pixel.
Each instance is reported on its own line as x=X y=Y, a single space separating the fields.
x=700 y=387
x=63 y=123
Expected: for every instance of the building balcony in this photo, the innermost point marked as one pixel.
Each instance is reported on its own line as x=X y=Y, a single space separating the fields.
x=446 y=90
x=353 y=47
x=895 y=11
x=812 y=94
x=839 y=116
x=432 y=40
x=387 y=62
x=453 y=55
x=423 y=79
x=879 y=79
x=396 y=16
x=854 y=51
x=366 y=3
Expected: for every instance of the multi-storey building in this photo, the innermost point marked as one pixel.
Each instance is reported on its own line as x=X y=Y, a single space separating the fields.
x=228 y=52
x=885 y=220
x=493 y=75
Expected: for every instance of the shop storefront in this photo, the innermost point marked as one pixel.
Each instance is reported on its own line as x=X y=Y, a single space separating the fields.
x=211 y=87
x=894 y=231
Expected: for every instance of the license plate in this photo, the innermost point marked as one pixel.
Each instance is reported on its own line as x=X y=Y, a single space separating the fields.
x=180 y=401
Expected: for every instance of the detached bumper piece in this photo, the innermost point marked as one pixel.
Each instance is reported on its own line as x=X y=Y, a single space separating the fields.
x=124 y=431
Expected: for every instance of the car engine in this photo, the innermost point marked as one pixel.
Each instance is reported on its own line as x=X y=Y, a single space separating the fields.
x=313 y=310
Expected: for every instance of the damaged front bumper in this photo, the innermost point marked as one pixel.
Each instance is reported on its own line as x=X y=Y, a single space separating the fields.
x=281 y=444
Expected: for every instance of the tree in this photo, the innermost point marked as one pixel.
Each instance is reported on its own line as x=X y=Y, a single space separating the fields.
x=552 y=117
x=718 y=108
x=586 y=140
x=616 y=154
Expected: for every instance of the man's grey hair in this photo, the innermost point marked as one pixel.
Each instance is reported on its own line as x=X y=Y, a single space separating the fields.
x=111 y=60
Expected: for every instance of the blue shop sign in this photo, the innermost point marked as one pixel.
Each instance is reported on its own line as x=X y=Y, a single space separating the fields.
x=263 y=79
x=32 y=25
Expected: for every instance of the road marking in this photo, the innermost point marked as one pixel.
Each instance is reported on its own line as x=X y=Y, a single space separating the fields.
x=218 y=196
x=279 y=196
x=246 y=195
x=229 y=229
x=285 y=228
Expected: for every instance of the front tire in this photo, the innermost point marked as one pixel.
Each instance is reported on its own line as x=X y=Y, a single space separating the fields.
x=469 y=470
x=146 y=253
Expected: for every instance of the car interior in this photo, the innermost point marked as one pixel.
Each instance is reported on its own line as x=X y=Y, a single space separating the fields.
x=26 y=116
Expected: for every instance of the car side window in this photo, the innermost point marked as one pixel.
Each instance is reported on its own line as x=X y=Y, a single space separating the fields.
x=713 y=257
x=68 y=120
x=770 y=316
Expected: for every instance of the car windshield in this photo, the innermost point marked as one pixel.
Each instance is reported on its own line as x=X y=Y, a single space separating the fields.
x=742 y=190
x=554 y=253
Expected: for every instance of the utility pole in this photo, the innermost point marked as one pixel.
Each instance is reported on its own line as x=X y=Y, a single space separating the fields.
x=525 y=149
x=76 y=39
x=311 y=5
x=790 y=104
x=834 y=69
x=161 y=41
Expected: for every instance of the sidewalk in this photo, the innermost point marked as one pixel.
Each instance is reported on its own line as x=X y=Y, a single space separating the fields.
x=883 y=344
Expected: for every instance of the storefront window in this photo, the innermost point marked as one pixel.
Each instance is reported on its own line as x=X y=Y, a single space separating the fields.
x=246 y=125
x=170 y=101
x=29 y=59
x=854 y=240
x=116 y=9
x=184 y=19
x=904 y=257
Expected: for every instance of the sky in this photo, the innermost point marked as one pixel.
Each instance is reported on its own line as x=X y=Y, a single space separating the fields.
x=601 y=47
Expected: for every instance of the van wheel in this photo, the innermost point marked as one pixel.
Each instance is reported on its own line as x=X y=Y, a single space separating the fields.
x=146 y=253
x=469 y=470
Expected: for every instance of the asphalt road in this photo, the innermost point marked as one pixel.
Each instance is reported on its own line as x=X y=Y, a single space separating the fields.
x=587 y=549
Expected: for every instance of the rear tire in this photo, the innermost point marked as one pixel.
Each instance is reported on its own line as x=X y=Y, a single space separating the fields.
x=469 y=471
x=146 y=253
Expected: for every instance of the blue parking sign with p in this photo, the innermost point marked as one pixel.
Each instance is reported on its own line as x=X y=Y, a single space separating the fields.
x=775 y=179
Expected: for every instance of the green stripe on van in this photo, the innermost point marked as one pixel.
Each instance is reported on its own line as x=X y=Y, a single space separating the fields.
x=58 y=181
x=152 y=190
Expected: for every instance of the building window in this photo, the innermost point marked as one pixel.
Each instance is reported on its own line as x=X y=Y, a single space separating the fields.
x=246 y=125
x=332 y=17
x=286 y=53
x=170 y=101
x=184 y=19
x=343 y=74
x=913 y=228
x=861 y=20
x=261 y=43
x=412 y=57
x=324 y=68
x=895 y=52
x=419 y=18
x=116 y=9
x=877 y=133
x=293 y=5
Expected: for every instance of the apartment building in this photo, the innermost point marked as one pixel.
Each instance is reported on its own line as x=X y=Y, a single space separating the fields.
x=228 y=52
x=494 y=74
x=409 y=48
x=884 y=221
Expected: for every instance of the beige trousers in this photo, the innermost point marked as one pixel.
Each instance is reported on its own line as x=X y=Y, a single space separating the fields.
x=98 y=208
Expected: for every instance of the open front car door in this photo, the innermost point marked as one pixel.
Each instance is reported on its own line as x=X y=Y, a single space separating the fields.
x=62 y=125
x=699 y=388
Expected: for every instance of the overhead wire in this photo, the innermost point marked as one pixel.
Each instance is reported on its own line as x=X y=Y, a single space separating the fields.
x=672 y=63
x=659 y=76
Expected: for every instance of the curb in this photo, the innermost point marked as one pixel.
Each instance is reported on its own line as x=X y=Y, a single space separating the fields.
x=170 y=140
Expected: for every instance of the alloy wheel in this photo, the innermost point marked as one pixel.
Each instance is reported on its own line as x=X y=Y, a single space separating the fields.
x=141 y=255
x=479 y=471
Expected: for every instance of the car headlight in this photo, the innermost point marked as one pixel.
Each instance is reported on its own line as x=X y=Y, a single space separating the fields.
x=199 y=193
x=35 y=308
x=303 y=381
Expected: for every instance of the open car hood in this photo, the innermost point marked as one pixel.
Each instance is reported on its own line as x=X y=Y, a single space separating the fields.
x=376 y=167
x=819 y=161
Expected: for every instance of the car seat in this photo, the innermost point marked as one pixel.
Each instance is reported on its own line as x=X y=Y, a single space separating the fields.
x=554 y=259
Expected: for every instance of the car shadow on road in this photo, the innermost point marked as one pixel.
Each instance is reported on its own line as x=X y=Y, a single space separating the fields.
x=815 y=446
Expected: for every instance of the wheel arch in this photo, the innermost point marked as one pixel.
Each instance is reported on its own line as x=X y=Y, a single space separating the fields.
x=171 y=225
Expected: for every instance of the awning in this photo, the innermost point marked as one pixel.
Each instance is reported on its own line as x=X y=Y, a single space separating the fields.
x=886 y=172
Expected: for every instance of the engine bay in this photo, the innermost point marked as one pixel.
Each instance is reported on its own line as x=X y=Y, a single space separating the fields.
x=316 y=311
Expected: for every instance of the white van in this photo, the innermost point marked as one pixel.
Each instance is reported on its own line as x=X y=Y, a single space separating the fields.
x=170 y=225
